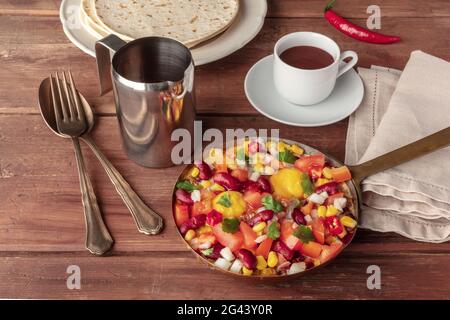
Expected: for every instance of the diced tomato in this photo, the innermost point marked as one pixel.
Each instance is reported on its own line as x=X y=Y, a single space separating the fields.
x=264 y=248
x=311 y=249
x=201 y=207
x=249 y=235
x=233 y=241
x=318 y=230
x=333 y=225
x=329 y=252
x=240 y=174
x=308 y=162
x=221 y=167
x=330 y=199
x=315 y=172
x=307 y=208
x=341 y=174
x=181 y=213
x=286 y=230
x=253 y=199
x=207 y=194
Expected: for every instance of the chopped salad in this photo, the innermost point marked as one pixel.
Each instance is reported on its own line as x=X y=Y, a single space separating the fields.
x=265 y=208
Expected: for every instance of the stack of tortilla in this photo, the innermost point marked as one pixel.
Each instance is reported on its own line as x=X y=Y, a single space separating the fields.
x=188 y=21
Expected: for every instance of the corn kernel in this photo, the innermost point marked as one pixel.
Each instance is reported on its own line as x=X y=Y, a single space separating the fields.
x=258 y=168
x=261 y=263
x=189 y=235
x=296 y=149
x=205 y=184
x=316 y=262
x=281 y=146
x=322 y=211
x=260 y=233
x=217 y=187
x=259 y=227
x=327 y=173
x=272 y=259
x=268 y=272
x=204 y=229
x=348 y=222
x=321 y=181
x=331 y=211
x=194 y=172
x=247 y=272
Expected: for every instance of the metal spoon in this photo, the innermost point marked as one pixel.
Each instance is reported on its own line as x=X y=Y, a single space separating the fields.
x=146 y=219
x=98 y=238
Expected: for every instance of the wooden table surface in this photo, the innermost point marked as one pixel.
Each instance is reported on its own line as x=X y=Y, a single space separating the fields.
x=41 y=220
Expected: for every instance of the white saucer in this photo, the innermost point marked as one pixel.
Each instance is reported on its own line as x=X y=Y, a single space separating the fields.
x=342 y=102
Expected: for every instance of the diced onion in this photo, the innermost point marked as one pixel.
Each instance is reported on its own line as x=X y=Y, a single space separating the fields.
x=222 y=264
x=196 y=196
x=227 y=254
x=297 y=267
x=261 y=238
x=236 y=266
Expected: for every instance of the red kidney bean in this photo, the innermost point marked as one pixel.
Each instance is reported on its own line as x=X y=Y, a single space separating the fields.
x=281 y=248
x=247 y=258
x=264 y=184
x=184 y=196
x=213 y=218
x=254 y=147
x=298 y=216
x=216 y=252
x=205 y=171
x=185 y=227
x=198 y=221
x=330 y=188
x=227 y=181
x=250 y=185
x=262 y=216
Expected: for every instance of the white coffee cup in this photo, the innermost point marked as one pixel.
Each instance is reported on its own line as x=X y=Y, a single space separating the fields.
x=305 y=86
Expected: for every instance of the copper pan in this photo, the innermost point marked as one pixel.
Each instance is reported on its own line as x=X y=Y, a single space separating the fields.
x=436 y=141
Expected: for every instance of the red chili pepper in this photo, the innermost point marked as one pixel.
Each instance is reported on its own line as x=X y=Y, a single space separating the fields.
x=333 y=225
x=355 y=31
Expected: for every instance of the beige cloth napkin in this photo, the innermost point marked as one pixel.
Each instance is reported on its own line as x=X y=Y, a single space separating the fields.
x=412 y=199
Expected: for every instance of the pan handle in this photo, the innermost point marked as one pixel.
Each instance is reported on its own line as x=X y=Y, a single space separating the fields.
x=438 y=140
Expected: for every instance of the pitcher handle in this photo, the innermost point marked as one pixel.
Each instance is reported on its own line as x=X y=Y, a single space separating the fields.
x=104 y=51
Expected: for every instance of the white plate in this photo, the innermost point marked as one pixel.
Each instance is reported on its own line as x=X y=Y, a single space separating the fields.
x=343 y=101
x=246 y=26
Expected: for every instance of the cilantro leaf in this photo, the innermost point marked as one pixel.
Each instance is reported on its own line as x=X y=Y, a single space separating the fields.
x=271 y=204
x=230 y=225
x=225 y=200
x=186 y=185
x=240 y=155
x=273 y=231
x=307 y=186
x=304 y=233
x=287 y=156
x=207 y=252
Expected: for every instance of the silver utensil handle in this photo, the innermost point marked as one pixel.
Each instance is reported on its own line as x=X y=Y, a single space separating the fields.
x=147 y=220
x=98 y=238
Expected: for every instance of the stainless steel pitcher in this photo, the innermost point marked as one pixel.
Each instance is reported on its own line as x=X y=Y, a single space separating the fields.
x=153 y=83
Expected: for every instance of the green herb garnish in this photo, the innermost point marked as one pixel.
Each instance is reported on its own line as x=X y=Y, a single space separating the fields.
x=271 y=204
x=225 y=200
x=207 y=252
x=186 y=185
x=230 y=225
x=307 y=186
x=240 y=155
x=287 y=156
x=273 y=231
x=304 y=234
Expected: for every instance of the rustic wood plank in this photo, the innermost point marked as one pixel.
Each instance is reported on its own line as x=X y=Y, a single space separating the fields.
x=277 y=9
x=172 y=275
x=39 y=190
x=28 y=54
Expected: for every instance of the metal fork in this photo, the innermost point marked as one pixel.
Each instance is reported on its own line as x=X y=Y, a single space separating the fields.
x=71 y=121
